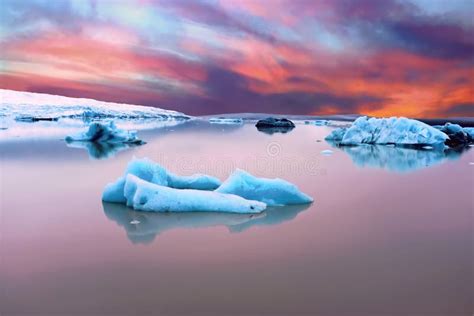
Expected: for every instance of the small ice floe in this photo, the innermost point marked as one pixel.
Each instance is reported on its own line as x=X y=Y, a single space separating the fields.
x=321 y=122
x=146 y=196
x=135 y=222
x=270 y=191
x=327 y=152
x=399 y=131
x=31 y=119
x=147 y=170
x=471 y=163
x=105 y=133
x=427 y=147
x=223 y=120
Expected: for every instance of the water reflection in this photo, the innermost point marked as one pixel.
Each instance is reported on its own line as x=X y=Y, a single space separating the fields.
x=398 y=159
x=273 y=130
x=143 y=227
x=101 y=150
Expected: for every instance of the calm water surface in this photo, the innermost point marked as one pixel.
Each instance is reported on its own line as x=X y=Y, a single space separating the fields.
x=390 y=231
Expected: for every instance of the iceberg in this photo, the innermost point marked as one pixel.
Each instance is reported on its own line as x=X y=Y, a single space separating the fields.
x=146 y=196
x=399 y=131
x=321 y=122
x=105 y=133
x=458 y=136
x=149 y=171
x=223 y=120
x=270 y=191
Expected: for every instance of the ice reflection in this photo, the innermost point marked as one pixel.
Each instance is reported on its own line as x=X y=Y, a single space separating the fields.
x=143 y=227
x=398 y=159
x=101 y=150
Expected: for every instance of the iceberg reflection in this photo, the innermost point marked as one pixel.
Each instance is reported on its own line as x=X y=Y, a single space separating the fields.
x=398 y=159
x=100 y=150
x=143 y=227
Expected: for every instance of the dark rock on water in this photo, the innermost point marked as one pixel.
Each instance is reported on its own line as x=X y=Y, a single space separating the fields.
x=275 y=122
x=458 y=136
x=273 y=125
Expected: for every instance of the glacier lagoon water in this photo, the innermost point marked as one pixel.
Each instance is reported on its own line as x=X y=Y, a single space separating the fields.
x=390 y=231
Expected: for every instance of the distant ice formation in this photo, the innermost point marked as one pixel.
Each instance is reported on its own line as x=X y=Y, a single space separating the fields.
x=29 y=106
x=399 y=131
x=223 y=120
x=270 y=191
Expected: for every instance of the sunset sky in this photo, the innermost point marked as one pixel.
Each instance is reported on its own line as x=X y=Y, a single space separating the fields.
x=376 y=57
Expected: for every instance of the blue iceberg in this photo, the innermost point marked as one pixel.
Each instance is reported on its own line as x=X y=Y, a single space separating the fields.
x=270 y=191
x=146 y=196
x=382 y=131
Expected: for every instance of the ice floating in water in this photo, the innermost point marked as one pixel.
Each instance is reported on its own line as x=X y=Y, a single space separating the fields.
x=321 y=122
x=269 y=191
x=147 y=170
x=148 y=186
x=147 y=196
x=327 y=152
x=105 y=133
x=223 y=120
x=458 y=136
x=399 y=131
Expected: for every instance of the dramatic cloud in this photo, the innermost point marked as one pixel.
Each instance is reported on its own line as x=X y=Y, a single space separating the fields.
x=413 y=58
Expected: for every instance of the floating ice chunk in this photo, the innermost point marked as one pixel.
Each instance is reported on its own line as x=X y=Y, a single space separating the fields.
x=135 y=222
x=269 y=191
x=321 y=122
x=337 y=134
x=223 y=120
x=399 y=131
x=327 y=152
x=107 y=133
x=458 y=136
x=150 y=171
x=469 y=131
x=147 y=196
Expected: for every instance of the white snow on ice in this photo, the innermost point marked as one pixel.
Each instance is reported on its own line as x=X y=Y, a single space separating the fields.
x=19 y=103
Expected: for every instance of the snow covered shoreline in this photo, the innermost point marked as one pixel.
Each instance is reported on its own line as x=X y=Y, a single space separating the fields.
x=29 y=106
